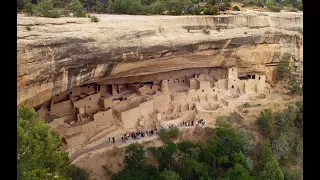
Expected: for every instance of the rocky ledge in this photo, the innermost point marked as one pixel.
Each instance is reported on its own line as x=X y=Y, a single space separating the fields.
x=57 y=54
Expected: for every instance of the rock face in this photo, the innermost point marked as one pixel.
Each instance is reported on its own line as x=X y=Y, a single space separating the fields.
x=57 y=54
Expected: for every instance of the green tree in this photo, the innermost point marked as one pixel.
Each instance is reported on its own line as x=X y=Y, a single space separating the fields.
x=98 y=8
x=238 y=172
x=76 y=8
x=294 y=86
x=270 y=168
x=38 y=155
x=283 y=70
x=29 y=9
x=174 y=7
x=227 y=141
x=265 y=122
x=157 y=7
x=166 y=154
x=134 y=155
x=166 y=175
x=280 y=146
x=271 y=3
x=223 y=121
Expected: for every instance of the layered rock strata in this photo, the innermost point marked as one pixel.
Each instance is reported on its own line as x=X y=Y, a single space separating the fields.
x=59 y=54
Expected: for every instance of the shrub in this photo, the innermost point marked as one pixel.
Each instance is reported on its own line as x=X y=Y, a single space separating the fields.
x=259 y=3
x=236 y=8
x=265 y=121
x=228 y=4
x=28 y=9
x=28 y=28
x=196 y=11
x=164 y=135
x=174 y=132
x=134 y=155
x=223 y=121
x=168 y=174
x=94 y=19
x=98 y=8
x=274 y=9
x=294 y=86
x=65 y=12
x=53 y=14
x=75 y=7
x=78 y=173
x=271 y=3
x=44 y=8
x=199 y=131
x=210 y=10
x=184 y=146
x=80 y=13
x=157 y=7
x=283 y=70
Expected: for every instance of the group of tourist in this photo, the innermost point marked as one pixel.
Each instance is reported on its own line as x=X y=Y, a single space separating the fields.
x=136 y=135
x=196 y=123
x=141 y=134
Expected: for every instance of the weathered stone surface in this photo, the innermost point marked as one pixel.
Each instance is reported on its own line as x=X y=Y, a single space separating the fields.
x=58 y=54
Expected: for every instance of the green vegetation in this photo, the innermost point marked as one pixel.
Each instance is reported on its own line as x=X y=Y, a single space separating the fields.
x=284 y=130
x=38 y=150
x=29 y=9
x=94 y=19
x=149 y=7
x=227 y=153
x=294 y=86
x=167 y=135
x=224 y=155
x=75 y=7
x=236 y=8
x=283 y=70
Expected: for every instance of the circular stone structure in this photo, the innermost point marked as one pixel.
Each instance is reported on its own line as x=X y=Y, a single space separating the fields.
x=210 y=106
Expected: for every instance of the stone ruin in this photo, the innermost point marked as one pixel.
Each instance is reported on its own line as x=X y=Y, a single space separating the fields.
x=87 y=115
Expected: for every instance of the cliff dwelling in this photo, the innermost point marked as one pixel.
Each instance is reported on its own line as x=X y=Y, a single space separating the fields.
x=91 y=81
x=87 y=115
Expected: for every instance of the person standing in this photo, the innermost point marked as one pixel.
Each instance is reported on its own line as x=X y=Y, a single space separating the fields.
x=109 y=140
x=113 y=139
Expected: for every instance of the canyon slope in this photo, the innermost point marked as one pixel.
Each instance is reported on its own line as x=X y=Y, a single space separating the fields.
x=55 y=55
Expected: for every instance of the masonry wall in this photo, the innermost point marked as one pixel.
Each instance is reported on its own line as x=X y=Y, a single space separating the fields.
x=73 y=92
x=232 y=78
x=103 y=118
x=61 y=109
x=250 y=86
x=90 y=103
x=222 y=84
x=161 y=103
x=179 y=96
x=261 y=83
x=193 y=84
x=130 y=118
x=146 y=108
x=177 y=81
x=146 y=89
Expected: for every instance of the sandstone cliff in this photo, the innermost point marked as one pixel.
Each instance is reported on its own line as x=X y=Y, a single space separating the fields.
x=58 y=54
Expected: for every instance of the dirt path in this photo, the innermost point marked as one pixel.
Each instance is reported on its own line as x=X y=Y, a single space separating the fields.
x=118 y=144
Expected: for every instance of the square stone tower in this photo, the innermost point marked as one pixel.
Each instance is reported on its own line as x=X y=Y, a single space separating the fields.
x=232 y=78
